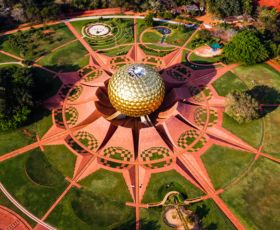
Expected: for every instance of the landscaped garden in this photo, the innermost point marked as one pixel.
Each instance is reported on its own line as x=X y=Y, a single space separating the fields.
x=55 y=129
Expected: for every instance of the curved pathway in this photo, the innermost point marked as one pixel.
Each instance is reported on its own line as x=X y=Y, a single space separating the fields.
x=191 y=162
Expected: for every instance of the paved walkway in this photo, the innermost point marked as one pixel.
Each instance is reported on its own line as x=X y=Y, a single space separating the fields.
x=193 y=169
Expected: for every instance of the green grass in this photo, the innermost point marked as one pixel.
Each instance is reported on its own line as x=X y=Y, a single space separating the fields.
x=4 y=201
x=5 y=58
x=122 y=50
x=211 y=216
x=151 y=37
x=162 y=183
x=227 y=83
x=224 y=164
x=100 y=204
x=261 y=74
x=207 y=211
x=14 y=139
x=202 y=60
x=255 y=199
x=151 y=218
x=68 y=58
x=122 y=33
x=272 y=133
x=61 y=34
x=178 y=37
x=42 y=172
x=39 y=122
x=140 y=27
x=61 y=158
x=249 y=132
x=34 y=197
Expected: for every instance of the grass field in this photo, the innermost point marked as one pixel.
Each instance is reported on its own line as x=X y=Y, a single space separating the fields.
x=39 y=122
x=59 y=35
x=178 y=37
x=122 y=50
x=224 y=164
x=202 y=60
x=249 y=132
x=14 y=139
x=34 y=197
x=261 y=74
x=162 y=183
x=272 y=133
x=152 y=36
x=5 y=58
x=4 y=201
x=99 y=205
x=61 y=158
x=68 y=58
x=121 y=33
x=227 y=83
x=210 y=215
x=255 y=199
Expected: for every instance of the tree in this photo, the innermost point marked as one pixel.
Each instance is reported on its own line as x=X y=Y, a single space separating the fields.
x=17 y=13
x=149 y=21
x=247 y=6
x=241 y=106
x=269 y=18
x=16 y=99
x=247 y=48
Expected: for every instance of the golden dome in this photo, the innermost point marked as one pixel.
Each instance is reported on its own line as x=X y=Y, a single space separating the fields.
x=136 y=90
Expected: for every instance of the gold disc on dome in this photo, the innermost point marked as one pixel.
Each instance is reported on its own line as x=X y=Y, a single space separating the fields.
x=136 y=90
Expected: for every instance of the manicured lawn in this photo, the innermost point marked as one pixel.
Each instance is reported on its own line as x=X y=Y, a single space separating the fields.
x=151 y=37
x=140 y=27
x=4 y=201
x=207 y=211
x=66 y=59
x=42 y=172
x=224 y=164
x=261 y=74
x=43 y=122
x=202 y=60
x=227 y=83
x=249 y=132
x=99 y=205
x=46 y=84
x=178 y=37
x=39 y=122
x=59 y=35
x=271 y=142
x=34 y=197
x=14 y=139
x=61 y=158
x=64 y=217
x=5 y=58
x=122 y=50
x=121 y=33
x=255 y=199
x=211 y=216
x=151 y=218
x=162 y=183
x=154 y=52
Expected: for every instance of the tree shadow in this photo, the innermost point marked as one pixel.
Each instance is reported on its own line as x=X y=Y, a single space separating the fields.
x=267 y=96
x=64 y=67
x=144 y=224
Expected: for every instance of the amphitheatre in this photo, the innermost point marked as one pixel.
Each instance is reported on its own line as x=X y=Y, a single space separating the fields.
x=83 y=164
